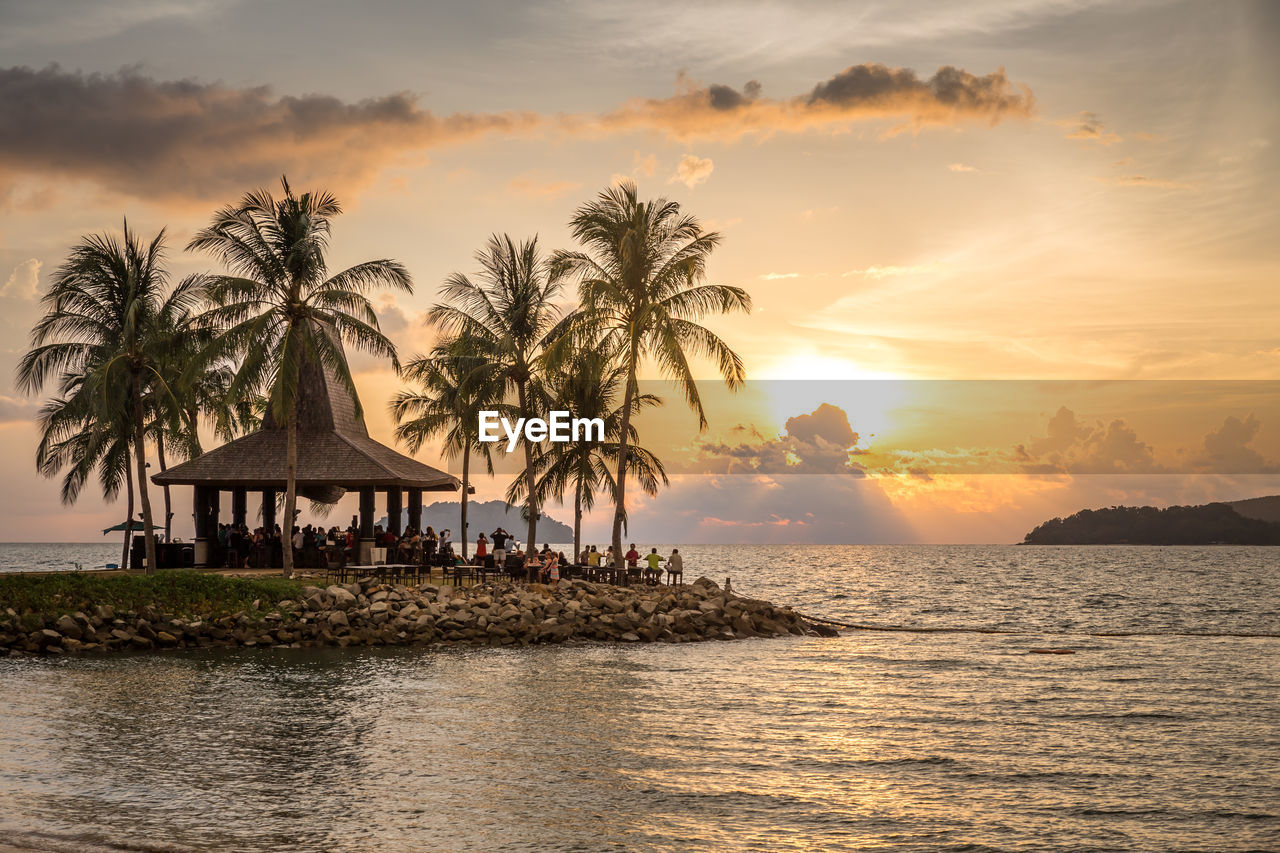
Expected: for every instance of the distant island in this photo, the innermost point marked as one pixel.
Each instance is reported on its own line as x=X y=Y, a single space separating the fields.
x=486 y=516
x=1248 y=522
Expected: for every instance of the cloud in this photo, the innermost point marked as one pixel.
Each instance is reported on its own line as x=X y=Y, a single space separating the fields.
x=24 y=281
x=877 y=272
x=827 y=422
x=819 y=442
x=14 y=410
x=1087 y=127
x=191 y=140
x=188 y=140
x=391 y=317
x=961 y=167
x=1144 y=182
x=1074 y=447
x=774 y=276
x=645 y=165
x=527 y=185
x=867 y=92
x=692 y=170
x=1226 y=449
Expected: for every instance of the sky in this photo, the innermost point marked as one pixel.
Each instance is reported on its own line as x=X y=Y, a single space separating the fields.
x=1045 y=194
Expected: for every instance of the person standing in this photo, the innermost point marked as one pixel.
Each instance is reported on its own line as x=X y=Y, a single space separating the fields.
x=482 y=548
x=633 y=557
x=499 y=539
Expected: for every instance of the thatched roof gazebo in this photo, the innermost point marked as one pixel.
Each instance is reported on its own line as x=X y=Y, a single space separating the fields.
x=335 y=455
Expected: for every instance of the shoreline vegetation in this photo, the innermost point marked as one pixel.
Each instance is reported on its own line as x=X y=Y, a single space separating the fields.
x=1210 y=524
x=77 y=614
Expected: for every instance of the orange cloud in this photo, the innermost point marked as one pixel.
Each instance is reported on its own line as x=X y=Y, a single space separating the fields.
x=1087 y=127
x=192 y=141
x=866 y=92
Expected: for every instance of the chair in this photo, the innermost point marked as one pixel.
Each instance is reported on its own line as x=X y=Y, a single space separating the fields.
x=378 y=556
x=674 y=575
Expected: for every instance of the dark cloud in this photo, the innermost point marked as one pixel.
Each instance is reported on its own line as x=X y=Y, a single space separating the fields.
x=827 y=423
x=1072 y=446
x=820 y=442
x=186 y=139
x=1227 y=451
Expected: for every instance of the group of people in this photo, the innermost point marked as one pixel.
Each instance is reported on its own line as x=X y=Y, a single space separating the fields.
x=315 y=547
x=592 y=557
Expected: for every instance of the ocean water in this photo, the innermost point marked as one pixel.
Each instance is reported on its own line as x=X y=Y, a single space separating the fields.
x=934 y=727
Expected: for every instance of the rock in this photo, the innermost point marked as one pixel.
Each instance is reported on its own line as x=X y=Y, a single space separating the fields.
x=342 y=596
x=164 y=638
x=337 y=619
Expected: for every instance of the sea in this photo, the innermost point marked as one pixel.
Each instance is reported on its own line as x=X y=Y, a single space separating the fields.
x=935 y=725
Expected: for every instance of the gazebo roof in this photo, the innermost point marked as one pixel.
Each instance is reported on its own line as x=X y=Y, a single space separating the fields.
x=335 y=451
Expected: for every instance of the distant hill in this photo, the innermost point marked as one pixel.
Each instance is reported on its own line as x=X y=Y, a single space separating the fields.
x=487 y=516
x=1263 y=509
x=1210 y=524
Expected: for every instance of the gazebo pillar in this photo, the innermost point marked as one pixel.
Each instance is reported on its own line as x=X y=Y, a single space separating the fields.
x=239 y=506
x=366 y=525
x=415 y=509
x=268 y=510
x=201 y=513
x=394 y=510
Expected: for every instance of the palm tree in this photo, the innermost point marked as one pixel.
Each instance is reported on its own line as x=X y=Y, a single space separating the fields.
x=507 y=319
x=642 y=285
x=454 y=389
x=587 y=384
x=194 y=392
x=278 y=308
x=102 y=336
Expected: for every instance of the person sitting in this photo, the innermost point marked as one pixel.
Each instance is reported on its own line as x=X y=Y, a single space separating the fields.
x=584 y=559
x=675 y=568
x=654 y=559
x=593 y=557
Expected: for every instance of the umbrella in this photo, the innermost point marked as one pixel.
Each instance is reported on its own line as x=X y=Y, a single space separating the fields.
x=119 y=528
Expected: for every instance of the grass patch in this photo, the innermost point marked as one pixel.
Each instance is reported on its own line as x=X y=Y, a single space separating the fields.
x=180 y=593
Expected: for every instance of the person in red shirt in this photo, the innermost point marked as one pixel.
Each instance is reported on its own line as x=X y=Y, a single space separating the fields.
x=632 y=556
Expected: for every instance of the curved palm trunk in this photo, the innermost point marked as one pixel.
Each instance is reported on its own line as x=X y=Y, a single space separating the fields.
x=577 y=521
x=168 y=507
x=128 y=518
x=620 y=493
x=529 y=478
x=140 y=457
x=290 y=489
x=466 y=483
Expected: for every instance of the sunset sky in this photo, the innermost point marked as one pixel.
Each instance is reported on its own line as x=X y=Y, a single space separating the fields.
x=1014 y=190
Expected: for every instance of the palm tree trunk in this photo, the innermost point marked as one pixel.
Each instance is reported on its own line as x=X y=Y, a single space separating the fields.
x=290 y=488
x=466 y=481
x=140 y=456
x=620 y=492
x=532 y=505
x=128 y=521
x=168 y=507
x=577 y=521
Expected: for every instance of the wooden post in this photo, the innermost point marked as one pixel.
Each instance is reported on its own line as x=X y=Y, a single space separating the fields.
x=415 y=509
x=201 y=512
x=239 y=506
x=366 y=525
x=394 y=509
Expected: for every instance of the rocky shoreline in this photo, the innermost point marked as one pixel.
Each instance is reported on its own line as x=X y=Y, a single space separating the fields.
x=374 y=614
